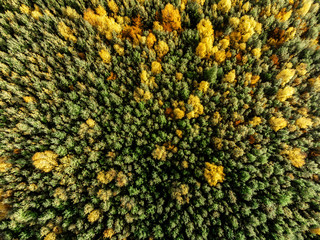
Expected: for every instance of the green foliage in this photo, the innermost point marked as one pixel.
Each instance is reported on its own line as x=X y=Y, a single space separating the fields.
x=129 y=156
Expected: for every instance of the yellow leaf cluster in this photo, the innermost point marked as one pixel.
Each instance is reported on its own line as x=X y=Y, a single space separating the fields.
x=105 y=24
x=94 y=216
x=50 y=236
x=284 y=15
x=206 y=32
x=66 y=32
x=171 y=18
x=315 y=83
x=285 y=76
x=146 y=79
x=213 y=173
x=304 y=122
x=285 y=93
x=197 y=107
x=29 y=99
x=204 y=86
x=151 y=39
x=159 y=153
x=315 y=231
x=105 y=55
x=255 y=121
x=277 y=123
x=45 y=161
x=230 y=77
x=35 y=13
x=161 y=48
x=4 y=166
x=106 y=177
x=156 y=67
x=140 y=95
x=113 y=6
x=119 y=49
x=224 y=6
x=178 y=113
x=248 y=26
x=296 y=157
x=108 y=233
x=90 y=122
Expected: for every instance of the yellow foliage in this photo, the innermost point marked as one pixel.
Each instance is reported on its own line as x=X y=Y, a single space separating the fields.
x=201 y=50
x=285 y=93
x=224 y=43
x=171 y=18
x=24 y=9
x=45 y=161
x=104 y=195
x=105 y=55
x=36 y=13
x=91 y=122
x=278 y=123
x=119 y=49
x=66 y=32
x=204 y=86
x=105 y=24
x=213 y=173
x=4 y=166
x=296 y=157
x=106 y=177
x=230 y=77
x=146 y=79
x=157 y=26
x=302 y=69
x=304 y=122
x=140 y=95
x=70 y=12
x=161 y=48
x=121 y=179
x=305 y=8
x=315 y=231
x=159 y=153
x=205 y=47
x=234 y=22
x=254 y=79
x=220 y=56
x=179 y=76
x=205 y=28
x=180 y=193
x=179 y=133
x=108 y=233
x=178 y=113
x=256 y=52
x=4 y=209
x=101 y=11
x=29 y=99
x=156 y=67
x=216 y=118
x=113 y=6
x=315 y=83
x=224 y=6
x=60 y=193
x=197 y=107
x=248 y=26
x=200 y=2
x=246 y=6
x=255 y=121
x=283 y=16
x=50 y=236
x=94 y=216
x=285 y=75
x=151 y=39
